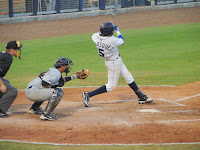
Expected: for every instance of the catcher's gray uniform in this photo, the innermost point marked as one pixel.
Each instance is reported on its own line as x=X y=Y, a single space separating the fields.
x=44 y=87
x=36 y=92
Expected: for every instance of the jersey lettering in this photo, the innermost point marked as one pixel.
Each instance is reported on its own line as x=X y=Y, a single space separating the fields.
x=101 y=52
x=104 y=46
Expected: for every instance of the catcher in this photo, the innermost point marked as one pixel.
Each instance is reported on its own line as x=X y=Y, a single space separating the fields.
x=45 y=87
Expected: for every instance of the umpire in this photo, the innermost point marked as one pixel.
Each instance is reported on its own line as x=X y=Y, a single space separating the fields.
x=8 y=93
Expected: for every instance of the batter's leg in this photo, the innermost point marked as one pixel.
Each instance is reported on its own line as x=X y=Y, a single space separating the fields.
x=113 y=68
x=142 y=98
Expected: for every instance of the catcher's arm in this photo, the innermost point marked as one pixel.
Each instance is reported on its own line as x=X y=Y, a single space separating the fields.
x=82 y=74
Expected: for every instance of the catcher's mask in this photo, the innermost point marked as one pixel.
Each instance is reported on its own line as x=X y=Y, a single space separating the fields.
x=61 y=61
x=16 y=45
x=107 y=29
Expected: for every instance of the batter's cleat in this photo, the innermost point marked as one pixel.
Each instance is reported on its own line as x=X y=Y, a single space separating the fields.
x=86 y=98
x=143 y=101
x=3 y=114
x=48 y=117
x=36 y=112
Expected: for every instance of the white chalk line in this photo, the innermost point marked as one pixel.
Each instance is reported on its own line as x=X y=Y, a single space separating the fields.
x=170 y=101
x=117 y=86
x=150 y=122
x=185 y=98
x=103 y=144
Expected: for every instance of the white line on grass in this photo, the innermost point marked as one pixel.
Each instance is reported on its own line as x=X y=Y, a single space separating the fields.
x=112 y=144
x=117 y=86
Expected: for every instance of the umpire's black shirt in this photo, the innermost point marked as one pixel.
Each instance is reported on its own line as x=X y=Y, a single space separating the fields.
x=5 y=62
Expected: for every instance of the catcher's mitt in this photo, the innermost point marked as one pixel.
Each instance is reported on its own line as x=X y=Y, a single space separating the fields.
x=83 y=74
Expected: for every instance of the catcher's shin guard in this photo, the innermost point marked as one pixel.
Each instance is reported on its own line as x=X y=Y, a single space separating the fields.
x=142 y=98
x=54 y=100
x=86 y=98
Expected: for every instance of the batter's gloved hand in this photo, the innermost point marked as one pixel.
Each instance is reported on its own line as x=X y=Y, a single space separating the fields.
x=83 y=74
x=115 y=27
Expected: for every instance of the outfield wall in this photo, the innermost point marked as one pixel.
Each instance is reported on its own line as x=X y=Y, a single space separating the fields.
x=95 y=13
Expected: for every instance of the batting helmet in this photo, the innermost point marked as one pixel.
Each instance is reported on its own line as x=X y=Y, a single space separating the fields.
x=63 y=61
x=107 y=29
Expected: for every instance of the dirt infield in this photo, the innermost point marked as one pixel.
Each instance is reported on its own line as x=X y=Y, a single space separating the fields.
x=114 y=117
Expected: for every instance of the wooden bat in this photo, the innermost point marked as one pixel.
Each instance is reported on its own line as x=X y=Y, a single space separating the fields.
x=114 y=12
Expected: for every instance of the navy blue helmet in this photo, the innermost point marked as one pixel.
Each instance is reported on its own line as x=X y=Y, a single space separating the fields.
x=63 y=61
x=107 y=29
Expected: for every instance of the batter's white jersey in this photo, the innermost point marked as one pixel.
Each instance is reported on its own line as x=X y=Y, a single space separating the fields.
x=35 y=91
x=107 y=46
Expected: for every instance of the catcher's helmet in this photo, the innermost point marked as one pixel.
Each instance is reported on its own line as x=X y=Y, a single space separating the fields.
x=63 y=61
x=107 y=29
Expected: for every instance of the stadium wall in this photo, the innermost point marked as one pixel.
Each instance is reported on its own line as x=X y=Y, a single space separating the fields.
x=95 y=13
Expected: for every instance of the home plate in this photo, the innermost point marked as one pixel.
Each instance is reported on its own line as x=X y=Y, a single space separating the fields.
x=149 y=110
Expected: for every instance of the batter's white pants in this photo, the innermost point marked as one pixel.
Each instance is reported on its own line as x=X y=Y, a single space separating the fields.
x=116 y=68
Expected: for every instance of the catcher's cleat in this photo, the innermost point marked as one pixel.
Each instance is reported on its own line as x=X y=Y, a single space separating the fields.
x=143 y=101
x=48 y=117
x=3 y=114
x=36 y=112
x=86 y=98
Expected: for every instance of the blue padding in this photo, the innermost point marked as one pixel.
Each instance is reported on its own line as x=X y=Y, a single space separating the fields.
x=67 y=79
x=120 y=36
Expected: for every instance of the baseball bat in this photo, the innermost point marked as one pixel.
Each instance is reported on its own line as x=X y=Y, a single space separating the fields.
x=114 y=12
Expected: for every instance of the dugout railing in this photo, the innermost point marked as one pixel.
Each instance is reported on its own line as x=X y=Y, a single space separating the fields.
x=15 y=8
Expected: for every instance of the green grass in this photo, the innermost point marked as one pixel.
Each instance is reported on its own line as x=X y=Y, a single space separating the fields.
x=26 y=146
x=166 y=55
x=155 y=56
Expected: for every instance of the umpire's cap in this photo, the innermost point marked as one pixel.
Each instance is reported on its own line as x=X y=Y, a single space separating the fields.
x=16 y=45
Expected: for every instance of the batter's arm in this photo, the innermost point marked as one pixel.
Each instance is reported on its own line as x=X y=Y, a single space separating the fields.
x=119 y=35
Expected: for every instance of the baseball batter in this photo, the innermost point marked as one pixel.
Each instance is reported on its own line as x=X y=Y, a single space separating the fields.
x=107 y=46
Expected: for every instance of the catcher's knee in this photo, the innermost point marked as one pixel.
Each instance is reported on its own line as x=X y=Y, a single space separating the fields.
x=57 y=94
x=110 y=87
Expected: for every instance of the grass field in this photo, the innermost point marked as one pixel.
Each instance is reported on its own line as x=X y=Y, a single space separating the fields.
x=166 y=55
x=28 y=146
x=155 y=56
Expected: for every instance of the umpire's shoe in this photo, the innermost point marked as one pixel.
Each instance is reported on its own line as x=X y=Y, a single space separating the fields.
x=3 y=114
x=86 y=98
x=48 y=117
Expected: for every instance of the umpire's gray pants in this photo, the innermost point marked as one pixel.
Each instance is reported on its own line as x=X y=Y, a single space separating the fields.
x=7 y=99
